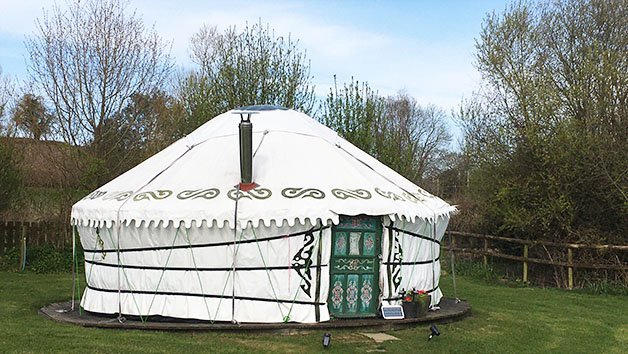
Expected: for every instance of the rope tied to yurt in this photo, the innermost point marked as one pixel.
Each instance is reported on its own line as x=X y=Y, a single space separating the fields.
x=289 y=263
x=121 y=319
x=118 y=222
x=233 y=263
x=75 y=276
x=198 y=274
x=433 y=232
x=163 y=272
x=307 y=268
x=222 y=294
x=453 y=266
x=267 y=272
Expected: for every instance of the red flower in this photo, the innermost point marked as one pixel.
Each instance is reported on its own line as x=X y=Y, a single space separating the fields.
x=422 y=292
x=408 y=299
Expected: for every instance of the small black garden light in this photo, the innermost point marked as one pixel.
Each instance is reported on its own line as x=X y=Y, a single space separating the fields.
x=326 y=340
x=435 y=332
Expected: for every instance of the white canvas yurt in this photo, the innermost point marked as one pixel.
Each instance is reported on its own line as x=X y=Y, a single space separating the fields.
x=323 y=230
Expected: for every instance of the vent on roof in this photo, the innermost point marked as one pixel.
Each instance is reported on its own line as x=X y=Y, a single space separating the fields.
x=263 y=107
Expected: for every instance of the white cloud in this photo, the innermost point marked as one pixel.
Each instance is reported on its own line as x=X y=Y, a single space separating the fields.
x=432 y=70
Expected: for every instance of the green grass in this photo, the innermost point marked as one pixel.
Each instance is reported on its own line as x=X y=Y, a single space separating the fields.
x=504 y=320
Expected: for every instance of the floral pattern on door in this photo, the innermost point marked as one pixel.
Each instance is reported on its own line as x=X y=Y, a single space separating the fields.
x=354 y=290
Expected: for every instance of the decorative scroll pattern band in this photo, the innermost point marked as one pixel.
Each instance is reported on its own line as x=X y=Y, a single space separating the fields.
x=209 y=193
x=292 y=193
x=119 y=196
x=94 y=195
x=156 y=195
x=388 y=195
x=351 y=193
x=257 y=193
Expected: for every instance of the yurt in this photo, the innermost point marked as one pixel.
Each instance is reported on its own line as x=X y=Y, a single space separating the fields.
x=260 y=215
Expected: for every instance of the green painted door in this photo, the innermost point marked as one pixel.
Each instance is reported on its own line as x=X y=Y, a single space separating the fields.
x=354 y=279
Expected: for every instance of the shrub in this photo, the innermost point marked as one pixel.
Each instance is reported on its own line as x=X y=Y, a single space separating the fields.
x=41 y=259
x=9 y=176
x=10 y=260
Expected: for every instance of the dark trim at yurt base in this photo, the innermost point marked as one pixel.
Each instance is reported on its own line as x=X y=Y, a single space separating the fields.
x=219 y=244
x=450 y=311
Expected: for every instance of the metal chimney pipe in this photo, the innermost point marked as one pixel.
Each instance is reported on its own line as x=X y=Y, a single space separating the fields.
x=246 y=150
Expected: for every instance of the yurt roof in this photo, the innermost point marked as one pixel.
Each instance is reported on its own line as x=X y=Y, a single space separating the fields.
x=305 y=171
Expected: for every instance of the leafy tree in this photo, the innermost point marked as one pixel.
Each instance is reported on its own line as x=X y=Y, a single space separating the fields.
x=243 y=68
x=354 y=111
x=89 y=61
x=396 y=130
x=32 y=116
x=548 y=132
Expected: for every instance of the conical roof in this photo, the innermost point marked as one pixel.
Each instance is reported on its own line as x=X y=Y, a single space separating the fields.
x=304 y=171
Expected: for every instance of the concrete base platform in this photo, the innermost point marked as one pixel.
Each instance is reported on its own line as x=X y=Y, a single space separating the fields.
x=450 y=310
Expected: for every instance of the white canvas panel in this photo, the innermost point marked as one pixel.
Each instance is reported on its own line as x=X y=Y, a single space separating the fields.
x=424 y=276
x=142 y=279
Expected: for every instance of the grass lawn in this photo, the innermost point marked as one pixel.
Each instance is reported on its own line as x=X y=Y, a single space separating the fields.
x=504 y=320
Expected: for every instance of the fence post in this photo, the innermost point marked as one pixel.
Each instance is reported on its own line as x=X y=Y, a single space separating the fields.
x=570 y=269
x=485 y=251
x=23 y=246
x=525 y=264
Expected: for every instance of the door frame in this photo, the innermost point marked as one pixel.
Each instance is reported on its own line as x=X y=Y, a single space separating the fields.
x=376 y=265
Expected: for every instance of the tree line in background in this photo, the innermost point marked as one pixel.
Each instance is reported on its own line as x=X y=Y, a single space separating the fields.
x=547 y=135
x=545 y=150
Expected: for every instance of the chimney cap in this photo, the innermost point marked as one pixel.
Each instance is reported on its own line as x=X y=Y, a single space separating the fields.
x=258 y=108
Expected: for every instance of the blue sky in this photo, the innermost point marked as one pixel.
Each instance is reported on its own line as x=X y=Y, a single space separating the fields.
x=423 y=47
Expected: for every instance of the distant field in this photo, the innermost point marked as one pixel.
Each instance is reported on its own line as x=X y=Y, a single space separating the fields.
x=504 y=320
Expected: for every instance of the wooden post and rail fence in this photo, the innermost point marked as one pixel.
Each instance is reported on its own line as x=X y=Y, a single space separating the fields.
x=18 y=234
x=486 y=251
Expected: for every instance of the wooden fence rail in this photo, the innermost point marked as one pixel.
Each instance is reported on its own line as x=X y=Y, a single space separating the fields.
x=14 y=233
x=485 y=251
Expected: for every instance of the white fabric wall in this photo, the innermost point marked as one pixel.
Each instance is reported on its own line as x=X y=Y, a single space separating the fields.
x=248 y=283
x=218 y=285
x=414 y=249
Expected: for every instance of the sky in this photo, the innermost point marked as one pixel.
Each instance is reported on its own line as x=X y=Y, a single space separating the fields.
x=424 y=48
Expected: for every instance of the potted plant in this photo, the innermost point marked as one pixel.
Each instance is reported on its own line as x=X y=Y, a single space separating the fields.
x=410 y=307
x=423 y=299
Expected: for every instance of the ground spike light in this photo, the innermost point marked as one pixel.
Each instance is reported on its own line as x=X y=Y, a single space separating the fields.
x=326 y=340
x=435 y=332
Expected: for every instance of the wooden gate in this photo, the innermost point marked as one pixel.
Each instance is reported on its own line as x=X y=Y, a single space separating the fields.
x=354 y=274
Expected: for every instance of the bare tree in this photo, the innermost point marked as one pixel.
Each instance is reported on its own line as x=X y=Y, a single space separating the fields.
x=412 y=137
x=89 y=61
x=7 y=90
